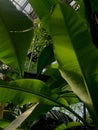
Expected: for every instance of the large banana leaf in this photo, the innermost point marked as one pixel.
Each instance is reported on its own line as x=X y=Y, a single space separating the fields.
x=23 y=91
x=15 y=35
x=76 y=55
x=31 y=90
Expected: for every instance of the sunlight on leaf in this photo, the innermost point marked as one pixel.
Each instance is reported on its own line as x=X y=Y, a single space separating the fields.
x=19 y=120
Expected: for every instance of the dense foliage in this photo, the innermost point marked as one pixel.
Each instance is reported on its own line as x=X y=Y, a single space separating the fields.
x=51 y=62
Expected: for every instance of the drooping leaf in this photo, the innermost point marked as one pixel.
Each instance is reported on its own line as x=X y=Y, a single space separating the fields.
x=19 y=120
x=73 y=49
x=15 y=35
x=46 y=58
x=23 y=91
x=31 y=90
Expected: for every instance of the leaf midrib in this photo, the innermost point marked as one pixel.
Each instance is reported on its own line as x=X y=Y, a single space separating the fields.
x=43 y=96
x=79 y=64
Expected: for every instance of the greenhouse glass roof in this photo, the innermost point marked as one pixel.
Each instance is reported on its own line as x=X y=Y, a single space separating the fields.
x=24 y=6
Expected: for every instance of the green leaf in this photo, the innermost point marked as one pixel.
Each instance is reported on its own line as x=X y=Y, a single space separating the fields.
x=19 y=120
x=46 y=58
x=30 y=90
x=67 y=93
x=60 y=87
x=94 y=5
x=41 y=109
x=23 y=91
x=53 y=73
x=82 y=10
x=15 y=35
x=43 y=9
x=68 y=126
x=73 y=49
x=4 y=124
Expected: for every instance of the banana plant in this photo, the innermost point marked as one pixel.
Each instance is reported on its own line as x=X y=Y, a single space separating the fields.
x=73 y=43
x=73 y=47
x=14 y=27
x=16 y=35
